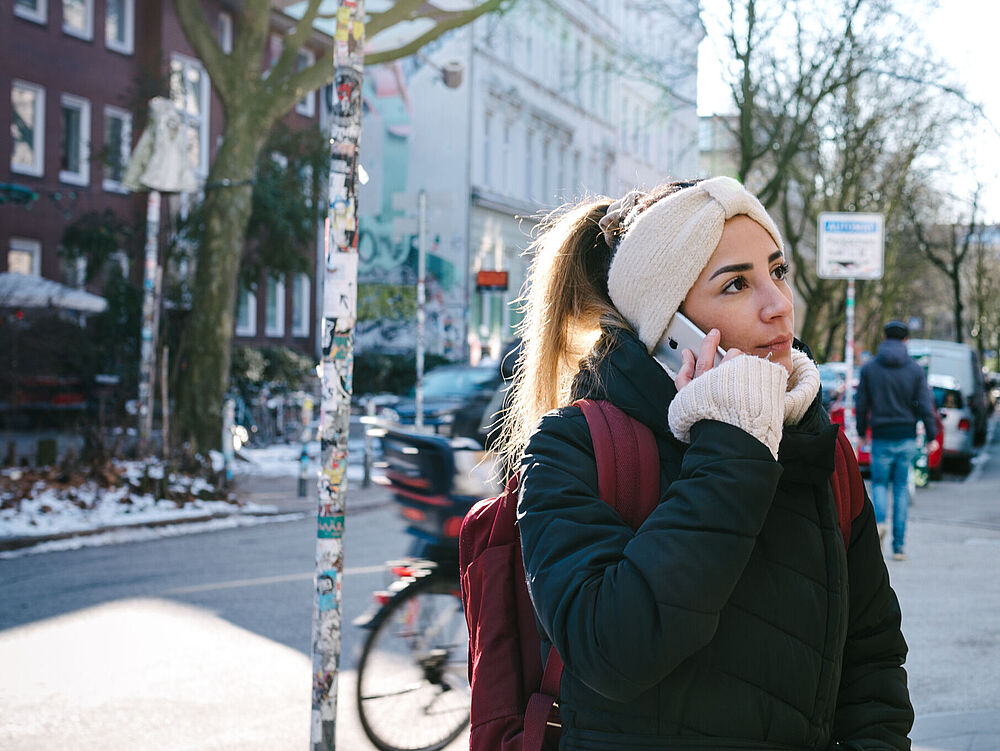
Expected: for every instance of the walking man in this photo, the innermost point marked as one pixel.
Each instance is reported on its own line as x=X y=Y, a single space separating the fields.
x=892 y=397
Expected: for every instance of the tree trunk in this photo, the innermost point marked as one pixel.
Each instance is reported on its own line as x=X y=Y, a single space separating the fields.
x=226 y=207
x=956 y=286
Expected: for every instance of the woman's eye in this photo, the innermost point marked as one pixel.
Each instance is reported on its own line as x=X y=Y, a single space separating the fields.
x=736 y=284
x=780 y=272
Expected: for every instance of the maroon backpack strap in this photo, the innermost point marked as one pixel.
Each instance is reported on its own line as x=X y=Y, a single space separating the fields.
x=847 y=485
x=628 y=480
x=540 y=705
x=628 y=462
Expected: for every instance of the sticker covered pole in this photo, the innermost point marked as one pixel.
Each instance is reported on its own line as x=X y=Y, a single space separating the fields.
x=337 y=365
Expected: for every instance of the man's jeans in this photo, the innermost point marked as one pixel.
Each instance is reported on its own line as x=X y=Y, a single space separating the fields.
x=891 y=463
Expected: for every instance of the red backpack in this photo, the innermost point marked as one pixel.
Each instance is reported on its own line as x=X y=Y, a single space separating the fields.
x=515 y=700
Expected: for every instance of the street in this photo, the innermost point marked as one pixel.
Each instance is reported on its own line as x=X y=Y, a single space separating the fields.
x=202 y=641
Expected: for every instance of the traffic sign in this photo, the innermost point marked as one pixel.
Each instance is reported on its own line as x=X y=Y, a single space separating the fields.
x=851 y=245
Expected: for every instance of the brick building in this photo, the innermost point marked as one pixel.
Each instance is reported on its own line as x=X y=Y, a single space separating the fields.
x=79 y=74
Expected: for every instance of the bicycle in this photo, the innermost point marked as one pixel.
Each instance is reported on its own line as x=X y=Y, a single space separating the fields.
x=413 y=689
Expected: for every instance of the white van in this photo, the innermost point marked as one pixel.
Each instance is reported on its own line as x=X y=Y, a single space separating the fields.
x=961 y=362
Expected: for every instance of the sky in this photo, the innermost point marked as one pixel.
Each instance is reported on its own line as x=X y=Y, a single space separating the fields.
x=962 y=32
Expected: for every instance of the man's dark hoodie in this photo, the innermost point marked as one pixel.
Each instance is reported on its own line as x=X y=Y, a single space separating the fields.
x=893 y=395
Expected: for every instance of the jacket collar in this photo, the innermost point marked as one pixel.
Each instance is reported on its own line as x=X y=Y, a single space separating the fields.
x=628 y=376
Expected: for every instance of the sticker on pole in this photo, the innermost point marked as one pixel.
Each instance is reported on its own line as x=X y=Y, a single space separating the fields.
x=850 y=245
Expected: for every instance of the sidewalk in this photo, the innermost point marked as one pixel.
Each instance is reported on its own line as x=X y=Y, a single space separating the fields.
x=950 y=598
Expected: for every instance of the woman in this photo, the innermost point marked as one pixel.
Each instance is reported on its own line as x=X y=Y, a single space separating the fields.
x=733 y=617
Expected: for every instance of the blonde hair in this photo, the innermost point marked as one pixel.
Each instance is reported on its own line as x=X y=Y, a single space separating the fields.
x=565 y=304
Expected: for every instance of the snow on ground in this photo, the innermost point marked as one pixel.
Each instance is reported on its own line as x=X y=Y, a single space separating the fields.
x=284 y=460
x=37 y=503
x=45 y=507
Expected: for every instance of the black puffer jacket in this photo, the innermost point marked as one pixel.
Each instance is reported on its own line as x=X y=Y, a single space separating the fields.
x=733 y=618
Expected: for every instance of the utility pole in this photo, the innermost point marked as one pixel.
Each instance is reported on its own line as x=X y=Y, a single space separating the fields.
x=147 y=359
x=340 y=292
x=160 y=164
x=418 y=421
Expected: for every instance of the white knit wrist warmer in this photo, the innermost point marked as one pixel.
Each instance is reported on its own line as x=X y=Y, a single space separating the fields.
x=803 y=385
x=748 y=393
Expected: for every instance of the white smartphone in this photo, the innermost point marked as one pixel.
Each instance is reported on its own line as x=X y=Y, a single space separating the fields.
x=681 y=334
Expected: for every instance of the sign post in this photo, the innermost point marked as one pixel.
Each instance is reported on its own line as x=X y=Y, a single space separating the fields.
x=850 y=246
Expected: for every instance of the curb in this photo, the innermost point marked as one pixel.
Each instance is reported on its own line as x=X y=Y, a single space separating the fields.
x=19 y=543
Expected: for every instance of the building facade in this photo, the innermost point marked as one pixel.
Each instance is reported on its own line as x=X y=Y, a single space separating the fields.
x=78 y=75
x=559 y=100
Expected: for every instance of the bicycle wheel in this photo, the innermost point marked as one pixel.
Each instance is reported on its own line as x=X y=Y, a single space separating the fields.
x=413 y=687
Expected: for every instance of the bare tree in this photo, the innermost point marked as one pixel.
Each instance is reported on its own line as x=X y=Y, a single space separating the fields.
x=252 y=103
x=947 y=246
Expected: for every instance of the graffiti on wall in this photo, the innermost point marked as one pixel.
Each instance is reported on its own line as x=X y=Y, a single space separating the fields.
x=387 y=258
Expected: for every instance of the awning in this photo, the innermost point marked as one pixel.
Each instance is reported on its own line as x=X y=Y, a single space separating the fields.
x=28 y=291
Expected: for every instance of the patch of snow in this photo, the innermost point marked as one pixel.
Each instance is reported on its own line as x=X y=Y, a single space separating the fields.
x=142 y=534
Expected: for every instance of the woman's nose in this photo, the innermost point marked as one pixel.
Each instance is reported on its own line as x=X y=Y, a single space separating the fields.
x=778 y=303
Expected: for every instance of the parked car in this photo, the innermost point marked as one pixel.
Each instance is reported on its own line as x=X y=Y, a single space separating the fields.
x=961 y=362
x=833 y=382
x=455 y=398
x=935 y=454
x=958 y=444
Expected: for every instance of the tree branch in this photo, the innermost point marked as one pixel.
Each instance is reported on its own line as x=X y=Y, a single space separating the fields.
x=453 y=20
x=199 y=34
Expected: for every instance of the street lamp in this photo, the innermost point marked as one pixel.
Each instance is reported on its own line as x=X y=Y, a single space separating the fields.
x=451 y=72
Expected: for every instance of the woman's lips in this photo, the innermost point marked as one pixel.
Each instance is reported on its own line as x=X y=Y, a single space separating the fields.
x=784 y=344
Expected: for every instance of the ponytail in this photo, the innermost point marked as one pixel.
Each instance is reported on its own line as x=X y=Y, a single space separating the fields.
x=565 y=303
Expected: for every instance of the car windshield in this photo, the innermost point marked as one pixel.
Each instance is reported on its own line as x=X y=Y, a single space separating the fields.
x=456 y=381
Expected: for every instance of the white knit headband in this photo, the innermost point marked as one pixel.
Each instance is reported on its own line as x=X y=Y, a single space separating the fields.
x=668 y=244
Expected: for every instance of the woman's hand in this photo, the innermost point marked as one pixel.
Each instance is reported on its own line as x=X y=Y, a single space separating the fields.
x=695 y=366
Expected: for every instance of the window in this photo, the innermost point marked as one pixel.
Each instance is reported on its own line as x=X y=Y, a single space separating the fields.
x=529 y=165
x=274 y=325
x=189 y=92
x=27 y=129
x=74 y=158
x=300 y=305
x=505 y=157
x=24 y=256
x=78 y=18
x=246 y=313
x=117 y=147
x=119 y=25
x=226 y=32
x=32 y=10
x=546 y=173
x=561 y=170
x=575 y=187
x=487 y=132
x=307 y=106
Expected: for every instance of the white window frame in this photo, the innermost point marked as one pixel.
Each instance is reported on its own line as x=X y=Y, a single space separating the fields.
x=277 y=327
x=301 y=294
x=249 y=327
x=82 y=175
x=37 y=167
x=38 y=15
x=126 y=47
x=307 y=105
x=88 y=21
x=204 y=121
x=27 y=245
x=111 y=185
x=225 y=32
